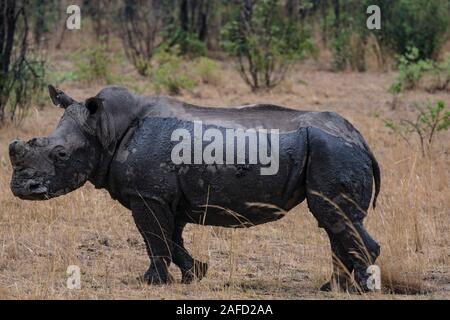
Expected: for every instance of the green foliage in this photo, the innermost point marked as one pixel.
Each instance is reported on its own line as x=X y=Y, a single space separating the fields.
x=192 y=46
x=93 y=64
x=405 y=24
x=39 y=95
x=442 y=75
x=189 y=23
x=207 y=70
x=410 y=71
x=266 y=43
x=349 y=51
x=421 y=24
x=58 y=77
x=43 y=15
x=340 y=48
x=168 y=75
x=29 y=88
x=349 y=36
x=430 y=119
x=141 y=23
x=21 y=71
x=188 y=43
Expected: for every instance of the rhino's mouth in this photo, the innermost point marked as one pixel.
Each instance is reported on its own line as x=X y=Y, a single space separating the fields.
x=29 y=189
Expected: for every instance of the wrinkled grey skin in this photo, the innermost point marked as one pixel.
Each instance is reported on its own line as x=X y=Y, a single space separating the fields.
x=121 y=142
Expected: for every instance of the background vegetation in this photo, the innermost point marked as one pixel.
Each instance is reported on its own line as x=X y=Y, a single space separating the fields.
x=264 y=38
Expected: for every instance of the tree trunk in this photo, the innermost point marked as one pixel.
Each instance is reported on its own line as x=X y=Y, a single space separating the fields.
x=324 y=12
x=13 y=50
x=184 y=15
x=202 y=21
x=292 y=8
x=337 y=15
x=7 y=30
x=39 y=22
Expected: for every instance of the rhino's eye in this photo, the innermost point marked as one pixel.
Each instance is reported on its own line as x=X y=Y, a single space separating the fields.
x=62 y=154
x=59 y=153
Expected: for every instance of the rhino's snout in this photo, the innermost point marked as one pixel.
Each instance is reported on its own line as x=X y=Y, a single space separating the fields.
x=35 y=187
x=25 y=183
x=32 y=189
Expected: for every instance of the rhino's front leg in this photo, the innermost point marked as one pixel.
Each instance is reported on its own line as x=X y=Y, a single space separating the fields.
x=155 y=223
x=190 y=268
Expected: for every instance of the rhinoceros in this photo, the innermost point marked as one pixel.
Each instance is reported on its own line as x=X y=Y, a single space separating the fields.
x=131 y=145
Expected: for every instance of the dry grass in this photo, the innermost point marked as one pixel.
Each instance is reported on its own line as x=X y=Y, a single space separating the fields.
x=287 y=259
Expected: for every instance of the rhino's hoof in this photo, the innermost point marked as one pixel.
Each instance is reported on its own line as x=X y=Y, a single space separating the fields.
x=153 y=278
x=326 y=287
x=361 y=280
x=196 y=273
x=334 y=285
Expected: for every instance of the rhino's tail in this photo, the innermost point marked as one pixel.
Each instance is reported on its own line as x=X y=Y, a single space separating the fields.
x=375 y=167
x=376 y=177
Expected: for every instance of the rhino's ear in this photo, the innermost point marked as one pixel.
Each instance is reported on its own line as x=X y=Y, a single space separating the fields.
x=94 y=104
x=59 y=98
x=105 y=129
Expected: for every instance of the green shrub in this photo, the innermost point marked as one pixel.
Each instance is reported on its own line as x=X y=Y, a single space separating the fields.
x=169 y=75
x=430 y=119
x=405 y=24
x=193 y=46
x=58 y=77
x=266 y=42
x=188 y=43
x=410 y=71
x=442 y=75
x=422 y=24
x=340 y=48
x=22 y=71
x=349 y=36
x=28 y=89
x=93 y=64
x=207 y=70
x=140 y=24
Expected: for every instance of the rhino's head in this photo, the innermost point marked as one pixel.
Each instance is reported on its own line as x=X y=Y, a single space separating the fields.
x=50 y=166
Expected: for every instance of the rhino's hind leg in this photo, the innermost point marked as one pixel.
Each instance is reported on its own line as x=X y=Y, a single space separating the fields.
x=339 y=183
x=191 y=269
x=155 y=224
x=353 y=249
x=363 y=250
x=342 y=266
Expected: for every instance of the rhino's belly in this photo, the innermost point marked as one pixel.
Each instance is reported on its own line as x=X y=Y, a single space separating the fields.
x=228 y=197
x=215 y=215
x=239 y=195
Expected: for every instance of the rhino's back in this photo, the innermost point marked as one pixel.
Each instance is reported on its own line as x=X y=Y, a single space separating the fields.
x=256 y=116
x=245 y=117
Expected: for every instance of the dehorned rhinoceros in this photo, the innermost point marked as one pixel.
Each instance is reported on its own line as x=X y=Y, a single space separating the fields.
x=172 y=163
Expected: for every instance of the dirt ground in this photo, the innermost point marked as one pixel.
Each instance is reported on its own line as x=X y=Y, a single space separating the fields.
x=287 y=259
